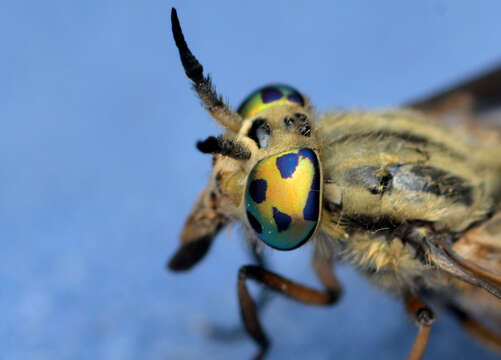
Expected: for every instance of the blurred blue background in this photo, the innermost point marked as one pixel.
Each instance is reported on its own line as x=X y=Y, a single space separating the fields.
x=98 y=167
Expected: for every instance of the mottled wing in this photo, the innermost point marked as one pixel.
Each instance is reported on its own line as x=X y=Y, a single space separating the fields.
x=482 y=245
x=479 y=250
x=478 y=97
x=475 y=105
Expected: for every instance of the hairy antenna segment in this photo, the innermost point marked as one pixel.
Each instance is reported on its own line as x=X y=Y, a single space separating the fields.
x=226 y=147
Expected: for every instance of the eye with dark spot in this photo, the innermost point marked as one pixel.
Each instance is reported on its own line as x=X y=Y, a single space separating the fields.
x=281 y=219
x=260 y=132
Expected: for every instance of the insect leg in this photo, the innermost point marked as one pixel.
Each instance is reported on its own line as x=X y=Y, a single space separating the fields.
x=202 y=226
x=423 y=317
x=279 y=284
x=237 y=332
x=264 y=296
x=486 y=336
x=323 y=266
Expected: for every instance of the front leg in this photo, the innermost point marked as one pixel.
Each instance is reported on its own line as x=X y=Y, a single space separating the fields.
x=423 y=317
x=237 y=331
x=282 y=285
x=203 y=224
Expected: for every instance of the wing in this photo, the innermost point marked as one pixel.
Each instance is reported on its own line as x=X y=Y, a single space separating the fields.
x=474 y=103
x=479 y=252
x=478 y=97
x=482 y=245
x=475 y=106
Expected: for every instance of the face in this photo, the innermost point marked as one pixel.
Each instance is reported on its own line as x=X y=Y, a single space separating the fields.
x=266 y=168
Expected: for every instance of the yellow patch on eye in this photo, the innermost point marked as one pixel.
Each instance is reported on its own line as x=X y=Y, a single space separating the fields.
x=288 y=195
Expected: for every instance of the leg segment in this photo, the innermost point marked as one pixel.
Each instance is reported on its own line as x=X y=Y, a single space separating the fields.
x=201 y=227
x=323 y=267
x=423 y=317
x=237 y=332
x=279 y=284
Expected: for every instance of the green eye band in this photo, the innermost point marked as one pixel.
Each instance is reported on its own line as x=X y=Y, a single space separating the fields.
x=267 y=97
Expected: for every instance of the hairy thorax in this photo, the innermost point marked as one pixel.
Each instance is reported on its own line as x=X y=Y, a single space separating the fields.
x=389 y=175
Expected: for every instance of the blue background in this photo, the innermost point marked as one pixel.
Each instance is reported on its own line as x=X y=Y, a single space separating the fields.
x=98 y=167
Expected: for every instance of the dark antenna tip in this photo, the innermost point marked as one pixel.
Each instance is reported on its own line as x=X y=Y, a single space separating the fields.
x=225 y=147
x=202 y=84
x=209 y=145
x=192 y=67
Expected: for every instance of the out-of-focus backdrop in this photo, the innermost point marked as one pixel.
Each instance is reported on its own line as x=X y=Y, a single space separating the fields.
x=98 y=167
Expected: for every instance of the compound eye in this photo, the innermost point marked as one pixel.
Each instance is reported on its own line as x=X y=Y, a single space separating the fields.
x=282 y=198
x=267 y=97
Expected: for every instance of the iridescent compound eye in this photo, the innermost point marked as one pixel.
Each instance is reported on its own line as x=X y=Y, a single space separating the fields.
x=282 y=198
x=267 y=97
